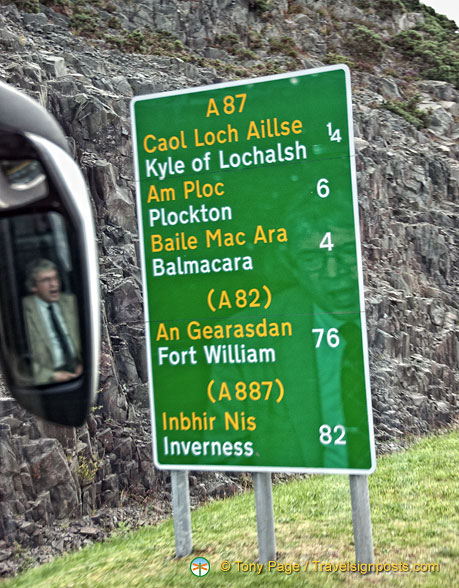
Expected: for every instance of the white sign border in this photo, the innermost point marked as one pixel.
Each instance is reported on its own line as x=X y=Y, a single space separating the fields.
x=232 y=84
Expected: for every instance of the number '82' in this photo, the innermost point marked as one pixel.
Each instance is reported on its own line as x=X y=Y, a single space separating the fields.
x=332 y=437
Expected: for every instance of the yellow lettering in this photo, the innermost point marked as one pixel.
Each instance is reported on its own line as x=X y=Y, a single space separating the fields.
x=193 y=330
x=239 y=421
x=170 y=335
x=145 y=143
x=217 y=236
x=225 y=240
x=188 y=187
x=212 y=108
x=162 y=144
x=279 y=235
x=224 y=392
x=259 y=235
x=153 y=194
x=224 y=300
x=297 y=127
x=156 y=243
x=253 y=131
x=164 y=195
x=282 y=235
x=202 y=191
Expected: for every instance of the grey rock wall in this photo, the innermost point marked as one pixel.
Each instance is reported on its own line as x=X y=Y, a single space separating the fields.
x=408 y=182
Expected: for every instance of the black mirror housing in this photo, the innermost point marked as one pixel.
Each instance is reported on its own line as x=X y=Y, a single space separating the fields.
x=49 y=292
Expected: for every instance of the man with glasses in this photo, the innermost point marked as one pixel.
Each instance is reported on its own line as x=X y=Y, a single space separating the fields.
x=325 y=269
x=51 y=319
x=321 y=364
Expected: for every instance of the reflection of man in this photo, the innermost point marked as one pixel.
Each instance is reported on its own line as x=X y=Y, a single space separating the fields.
x=327 y=277
x=51 y=319
x=321 y=412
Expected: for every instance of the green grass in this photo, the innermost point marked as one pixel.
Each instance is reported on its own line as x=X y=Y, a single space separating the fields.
x=414 y=502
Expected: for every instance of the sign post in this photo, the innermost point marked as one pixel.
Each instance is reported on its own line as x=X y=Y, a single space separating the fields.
x=265 y=517
x=181 y=513
x=248 y=222
x=361 y=519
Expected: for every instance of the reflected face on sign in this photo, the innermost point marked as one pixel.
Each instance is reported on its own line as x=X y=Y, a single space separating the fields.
x=325 y=267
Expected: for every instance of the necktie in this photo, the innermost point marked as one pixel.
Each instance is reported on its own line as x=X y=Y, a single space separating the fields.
x=70 y=363
x=352 y=387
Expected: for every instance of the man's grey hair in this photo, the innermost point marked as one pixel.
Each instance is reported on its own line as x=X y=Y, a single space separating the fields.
x=34 y=267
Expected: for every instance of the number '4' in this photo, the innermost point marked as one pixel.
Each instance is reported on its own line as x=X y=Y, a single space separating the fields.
x=326 y=242
x=334 y=135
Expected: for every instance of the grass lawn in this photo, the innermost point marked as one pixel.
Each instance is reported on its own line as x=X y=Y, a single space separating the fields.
x=414 y=503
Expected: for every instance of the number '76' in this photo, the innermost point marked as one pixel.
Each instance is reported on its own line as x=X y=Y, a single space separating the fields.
x=332 y=337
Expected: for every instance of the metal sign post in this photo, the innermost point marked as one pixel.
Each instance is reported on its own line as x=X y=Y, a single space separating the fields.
x=361 y=519
x=181 y=513
x=265 y=517
x=249 y=234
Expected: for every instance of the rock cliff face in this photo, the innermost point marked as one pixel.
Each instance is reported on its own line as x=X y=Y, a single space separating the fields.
x=85 y=60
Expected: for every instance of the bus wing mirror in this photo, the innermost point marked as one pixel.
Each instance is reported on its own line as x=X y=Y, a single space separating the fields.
x=49 y=287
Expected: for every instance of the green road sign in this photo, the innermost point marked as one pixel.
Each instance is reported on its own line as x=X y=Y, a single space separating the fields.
x=252 y=275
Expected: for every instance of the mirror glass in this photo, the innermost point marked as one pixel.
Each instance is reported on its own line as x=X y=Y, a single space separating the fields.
x=42 y=334
x=23 y=174
x=21 y=181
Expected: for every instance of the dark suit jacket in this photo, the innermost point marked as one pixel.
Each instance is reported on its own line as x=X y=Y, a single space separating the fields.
x=284 y=425
x=290 y=429
x=38 y=341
